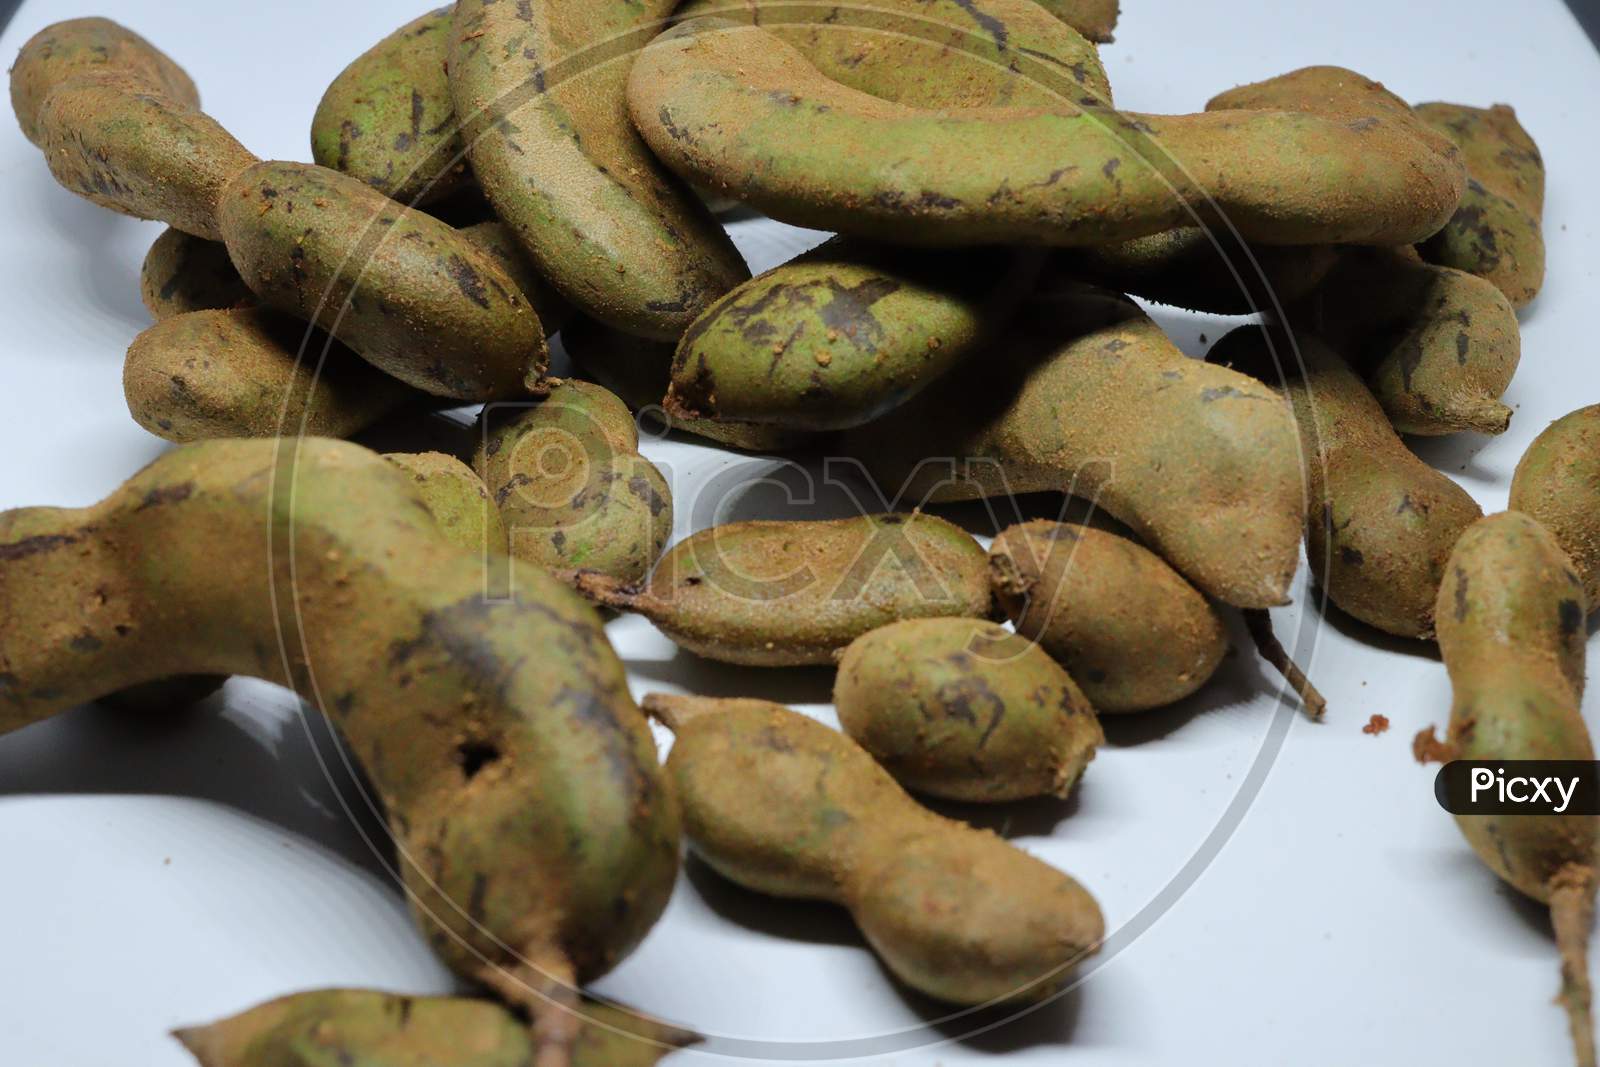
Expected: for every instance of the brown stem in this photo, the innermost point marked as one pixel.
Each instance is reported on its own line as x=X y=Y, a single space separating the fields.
x=1572 y=915
x=546 y=988
x=603 y=589
x=673 y=711
x=1259 y=623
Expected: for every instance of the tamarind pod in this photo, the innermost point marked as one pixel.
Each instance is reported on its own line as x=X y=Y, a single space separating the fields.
x=567 y=478
x=405 y=291
x=844 y=333
x=966 y=710
x=184 y=273
x=788 y=593
x=538 y=839
x=780 y=804
x=1087 y=396
x=1557 y=482
x=639 y=372
x=1127 y=627
x=933 y=53
x=1512 y=637
x=1497 y=232
x=457 y=499
x=734 y=108
x=239 y=373
x=115 y=141
x=538 y=87
x=1382 y=522
x=1437 y=346
x=364 y=1028
x=1202 y=270
x=388 y=119
x=74 y=48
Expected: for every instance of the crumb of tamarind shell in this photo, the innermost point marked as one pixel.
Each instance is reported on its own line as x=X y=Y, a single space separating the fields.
x=1427 y=748
x=1378 y=724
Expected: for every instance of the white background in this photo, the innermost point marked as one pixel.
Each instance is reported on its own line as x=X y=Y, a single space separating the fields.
x=166 y=873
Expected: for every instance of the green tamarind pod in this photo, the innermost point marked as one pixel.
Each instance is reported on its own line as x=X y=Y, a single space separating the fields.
x=782 y=805
x=402 y=289
x=963 y=709
x=239 y=373
x=787 y=593
x=566 y=475
x=735 y=108
x=1497 y=233
x=538 y=838
x=639 y=371
x=844 y=333
x=1382 y=522
x=1095 y=19
x=114 y=140
x=388 y=119
x=1202 y=270
x=89 y=46
x=184 y=273
x=496 y=241
x=1558 y=483
x=1124 y=624
x=1087 y=396
x=539 y=89
x=457 y=499
x=932 y=53
x=1437 y=346
x=364 y=1028
x=1512 y=637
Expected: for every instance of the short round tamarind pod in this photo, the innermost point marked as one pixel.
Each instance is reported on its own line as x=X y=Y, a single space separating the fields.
x=844 y=333
x=539 y=841
x=1558 y=482
x=966 y=710
x=1382 y=522
x=565 y=473
x=639 y=372
x=402 y=289
x=788 y=593
x=1497 y=233
x=780 y=804
x=184 y=273
x=1128 y=628
x=457 y=498
x=388 y=119
x=538 y=88
x=366 y=1028
x=89 y=46
x=1086 y=395
x=1437 y=346
x=240 y=372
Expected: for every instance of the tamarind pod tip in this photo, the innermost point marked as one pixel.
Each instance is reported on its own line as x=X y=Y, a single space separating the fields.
x=1488 y=416
x=674 y=711
x=1259 y=623
x=199 y=1042
x=1572 y=916
x=544 y=985
x=604 y=590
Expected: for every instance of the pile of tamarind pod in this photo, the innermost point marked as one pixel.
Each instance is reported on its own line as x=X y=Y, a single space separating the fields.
x=492 y=176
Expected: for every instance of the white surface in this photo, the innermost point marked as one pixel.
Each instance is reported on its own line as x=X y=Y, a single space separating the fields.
x=159 y=874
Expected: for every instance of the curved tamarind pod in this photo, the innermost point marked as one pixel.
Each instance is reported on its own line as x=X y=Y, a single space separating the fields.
x=782 y=805
x=966 y=710
x=539 y=90
x=788 y=593
x=1202 y=270
x=365 y=1028
x=735 y=108
x=1088 y=396
x=1382 y=522
x=1124 y=624
x=184 y=273
x=566 y=475
x=457 y=499
x=844 y=333
x=639 y=372
x=1436 y=346
x=1511 y=633
x=239 y=373
x=1558 y=482
x=405 y=291
x=89 y=46
x=388 y=119
x=1497 y=232
x=933 y=53
x=538 y=839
